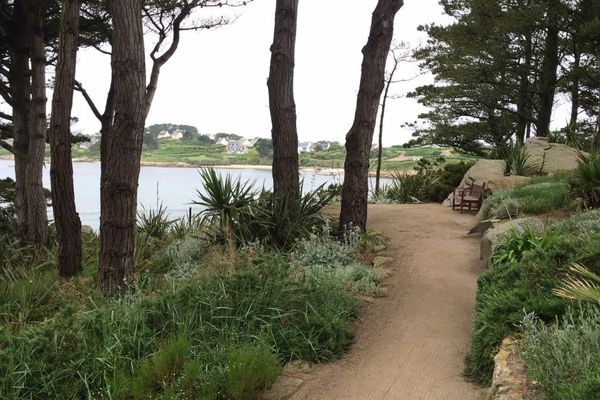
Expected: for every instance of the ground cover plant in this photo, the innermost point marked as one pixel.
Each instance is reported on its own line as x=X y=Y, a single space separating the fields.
x=564 y=358
x=199 y=322
x=526 y=269
x=541 y=195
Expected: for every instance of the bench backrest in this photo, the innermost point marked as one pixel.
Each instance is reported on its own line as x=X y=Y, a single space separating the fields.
x=477 y=189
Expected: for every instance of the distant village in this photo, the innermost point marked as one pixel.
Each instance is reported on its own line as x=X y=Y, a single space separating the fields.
x=235 y=144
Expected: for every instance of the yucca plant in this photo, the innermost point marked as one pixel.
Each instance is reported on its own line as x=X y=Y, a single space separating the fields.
x=226 y=205
x=279 y=222
x=582 y=285
x=520 y=162
x=154 y=223
x=586 y=179
x=411 y=188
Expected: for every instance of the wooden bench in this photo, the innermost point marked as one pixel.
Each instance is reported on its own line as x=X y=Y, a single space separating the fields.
x=470 y=197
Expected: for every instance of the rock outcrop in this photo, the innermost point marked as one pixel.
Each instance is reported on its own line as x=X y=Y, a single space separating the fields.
x=482 y=171
x=510 y=380
x=551 y=157
x=499 y=230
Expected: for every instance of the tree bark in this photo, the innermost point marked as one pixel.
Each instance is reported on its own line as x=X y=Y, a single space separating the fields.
x=360 y=136
x=20 y=93
x=549 y=66
x=123 y=148
x=37 y=218
x=68 y=224
x=286 y=182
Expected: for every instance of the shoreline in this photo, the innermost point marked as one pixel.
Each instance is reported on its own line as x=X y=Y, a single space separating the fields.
x=316 y=170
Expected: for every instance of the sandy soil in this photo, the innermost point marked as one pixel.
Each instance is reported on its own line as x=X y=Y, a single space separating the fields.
x=411 y=344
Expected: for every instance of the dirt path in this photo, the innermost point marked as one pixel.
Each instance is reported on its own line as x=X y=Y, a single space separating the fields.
x=411 y=344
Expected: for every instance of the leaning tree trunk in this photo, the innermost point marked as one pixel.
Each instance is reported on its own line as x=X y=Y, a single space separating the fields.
x=68 y=224
x=386 y=93
x=123 y=147
x=20 y=93
x=358 y=140
x=549 y=67
x=37 y=217
x=281 y=101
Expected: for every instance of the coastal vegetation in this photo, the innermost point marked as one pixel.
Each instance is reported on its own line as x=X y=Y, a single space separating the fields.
x=221 y=301
x=213 y=305
x=522 y=293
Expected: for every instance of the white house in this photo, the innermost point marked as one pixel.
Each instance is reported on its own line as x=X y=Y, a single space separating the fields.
x=164 y=135
x=236 y=147
x=177 y=135
x=223 y=141
x=305 y=147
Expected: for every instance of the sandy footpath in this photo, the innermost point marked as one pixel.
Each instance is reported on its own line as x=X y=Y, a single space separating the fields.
x=411 y=344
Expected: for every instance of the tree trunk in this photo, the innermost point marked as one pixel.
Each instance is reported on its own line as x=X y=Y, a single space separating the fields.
x=524 y=103
x=386 y=93
x=575 y=83
x=20 y=92
x=123 y=148
x=68 y=224
x=549 y=66
x=360 y=136
x=595 y=145
x=37 y=217
x=281 y=101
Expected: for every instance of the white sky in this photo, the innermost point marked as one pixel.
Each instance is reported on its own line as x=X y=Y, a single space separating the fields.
x=216 y=81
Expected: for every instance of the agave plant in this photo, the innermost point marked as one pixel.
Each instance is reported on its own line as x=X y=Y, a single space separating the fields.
x=582 y=285
x=586 y=179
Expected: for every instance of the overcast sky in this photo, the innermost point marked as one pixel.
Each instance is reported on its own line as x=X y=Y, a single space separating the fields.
x=217 y=79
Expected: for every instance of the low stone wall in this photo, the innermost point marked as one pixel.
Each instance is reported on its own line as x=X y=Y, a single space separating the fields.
x=510 y=380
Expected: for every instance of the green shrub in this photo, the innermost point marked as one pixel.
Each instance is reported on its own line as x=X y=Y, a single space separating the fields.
x=80 y=345
x=239 y=215
x=328 y=262
x=249 y=370
x=323 y=249
x=564 y=359
x=586 y=179
x=159 y=371
x=525 y=282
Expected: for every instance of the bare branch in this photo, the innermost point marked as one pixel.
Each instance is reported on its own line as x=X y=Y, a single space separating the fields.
x=79 y=87
x=6 y=116
x=5 y=94
x=7 y=147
